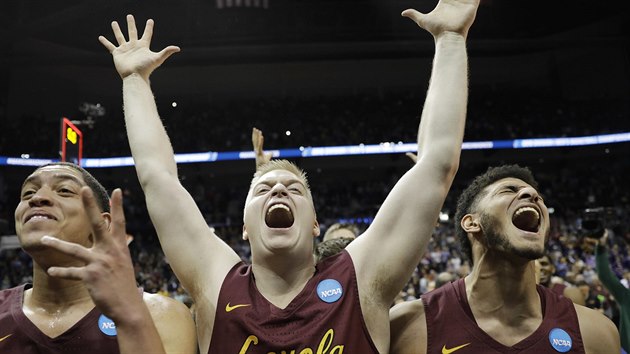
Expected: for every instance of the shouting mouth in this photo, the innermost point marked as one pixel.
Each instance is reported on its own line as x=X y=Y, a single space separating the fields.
x=279 y=216
x=527 y=219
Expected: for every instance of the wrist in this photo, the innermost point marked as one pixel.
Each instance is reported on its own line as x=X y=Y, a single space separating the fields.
x=451 y=37
x=134 y=77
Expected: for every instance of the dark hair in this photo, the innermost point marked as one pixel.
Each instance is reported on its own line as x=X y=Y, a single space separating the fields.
x=470 y=196
x=100 y=193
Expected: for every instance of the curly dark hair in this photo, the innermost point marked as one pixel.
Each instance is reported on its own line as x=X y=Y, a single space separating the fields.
x=100 y=193
x=467 y=201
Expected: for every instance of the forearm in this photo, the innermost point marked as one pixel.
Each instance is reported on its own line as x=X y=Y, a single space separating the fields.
x=441 y=130
x=605 y=273
x=150 y=146
x=137 y=333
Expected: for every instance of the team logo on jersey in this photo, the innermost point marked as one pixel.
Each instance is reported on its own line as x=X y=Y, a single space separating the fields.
x=454 y=349
x=560 y=340
x=329 y=290
x=107 y=326
x=229 y=308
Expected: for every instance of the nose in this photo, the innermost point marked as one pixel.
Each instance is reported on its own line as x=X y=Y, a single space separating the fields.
x=40 y=198
x=529 y=193
x=280 y=190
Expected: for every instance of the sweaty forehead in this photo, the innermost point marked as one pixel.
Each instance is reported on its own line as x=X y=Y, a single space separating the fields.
x=282 y=176
x=509 y=181
x=55 y=172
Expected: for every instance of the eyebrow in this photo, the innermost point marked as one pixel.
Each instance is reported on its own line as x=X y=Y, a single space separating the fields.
x=288 y=183
x=58 y=176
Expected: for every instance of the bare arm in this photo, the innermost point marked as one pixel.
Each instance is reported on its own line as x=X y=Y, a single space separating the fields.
x=408 y=328
x=257 y=142
x=405 y=221
x=109 y=277
x=174 y=323
x=599 y=334
x=199 y=258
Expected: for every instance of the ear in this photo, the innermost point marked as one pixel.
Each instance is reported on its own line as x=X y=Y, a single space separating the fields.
x=245 y=237
x=470 y=224
x=316 y=230
x=108 y=220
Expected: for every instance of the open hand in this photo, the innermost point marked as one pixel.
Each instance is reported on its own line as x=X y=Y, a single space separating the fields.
x=449 y=16
x=133 y=56
x=108 y=272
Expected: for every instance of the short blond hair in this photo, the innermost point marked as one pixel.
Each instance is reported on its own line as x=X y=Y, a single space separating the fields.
x=280 y=165
x=340 y=226
x=284 y=165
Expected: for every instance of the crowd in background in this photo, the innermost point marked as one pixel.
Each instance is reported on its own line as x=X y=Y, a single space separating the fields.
x=568 y=186
x=367 y=118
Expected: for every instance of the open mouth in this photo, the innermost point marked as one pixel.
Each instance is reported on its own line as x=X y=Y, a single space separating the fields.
x=527 y=219
x=279 y=216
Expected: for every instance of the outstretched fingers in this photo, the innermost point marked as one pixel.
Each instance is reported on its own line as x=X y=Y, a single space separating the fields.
x=69 y=248
x=95 y=216
x=148 y=31
x=120 y=38
x=106 y=43
x=72 y=273
x=131 y=28
x=118 y=218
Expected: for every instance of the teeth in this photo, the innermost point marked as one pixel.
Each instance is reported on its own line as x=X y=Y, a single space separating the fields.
x=524 y=209
x=278 y=206
x=35 y=217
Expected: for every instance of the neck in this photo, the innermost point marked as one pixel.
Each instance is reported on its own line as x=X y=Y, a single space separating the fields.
x=280 y=280
x=55 y=294
x=503 y=288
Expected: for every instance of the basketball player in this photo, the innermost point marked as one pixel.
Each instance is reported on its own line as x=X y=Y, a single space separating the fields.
x=84 y=297
x=499 y=308
x=283 y=301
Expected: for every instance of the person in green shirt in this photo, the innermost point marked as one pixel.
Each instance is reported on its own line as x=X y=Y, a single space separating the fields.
x=615 y=287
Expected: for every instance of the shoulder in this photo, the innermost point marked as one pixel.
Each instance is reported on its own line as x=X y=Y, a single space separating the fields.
x=164 y=307
x=574 y=294
x=407 y=311
x=174 y=323
x=599 y=333
x=408 y=328
x=11 y=293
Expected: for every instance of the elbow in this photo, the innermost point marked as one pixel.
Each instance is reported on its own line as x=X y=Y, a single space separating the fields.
x=150 y=176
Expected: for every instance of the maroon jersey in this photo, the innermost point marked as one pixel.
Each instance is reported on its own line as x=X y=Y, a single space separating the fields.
x=451 y=326
x=325 y=317
x=558 y=288
x=92 y=334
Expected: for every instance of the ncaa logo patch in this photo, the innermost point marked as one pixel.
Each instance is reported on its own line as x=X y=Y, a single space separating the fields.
x=560 y=340
x=107 y=326
x=329 y=290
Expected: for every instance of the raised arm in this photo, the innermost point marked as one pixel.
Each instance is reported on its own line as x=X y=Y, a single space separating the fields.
x=405 y=221
x=605 y=273
x=258 y=139
x=199 y=258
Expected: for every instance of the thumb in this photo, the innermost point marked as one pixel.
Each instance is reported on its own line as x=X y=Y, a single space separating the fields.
x=167 y=52
x=416 y=16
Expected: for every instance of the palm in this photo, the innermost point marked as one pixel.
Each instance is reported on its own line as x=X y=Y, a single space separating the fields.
x=131 y=58
x=132 y=55
x=455 y=16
